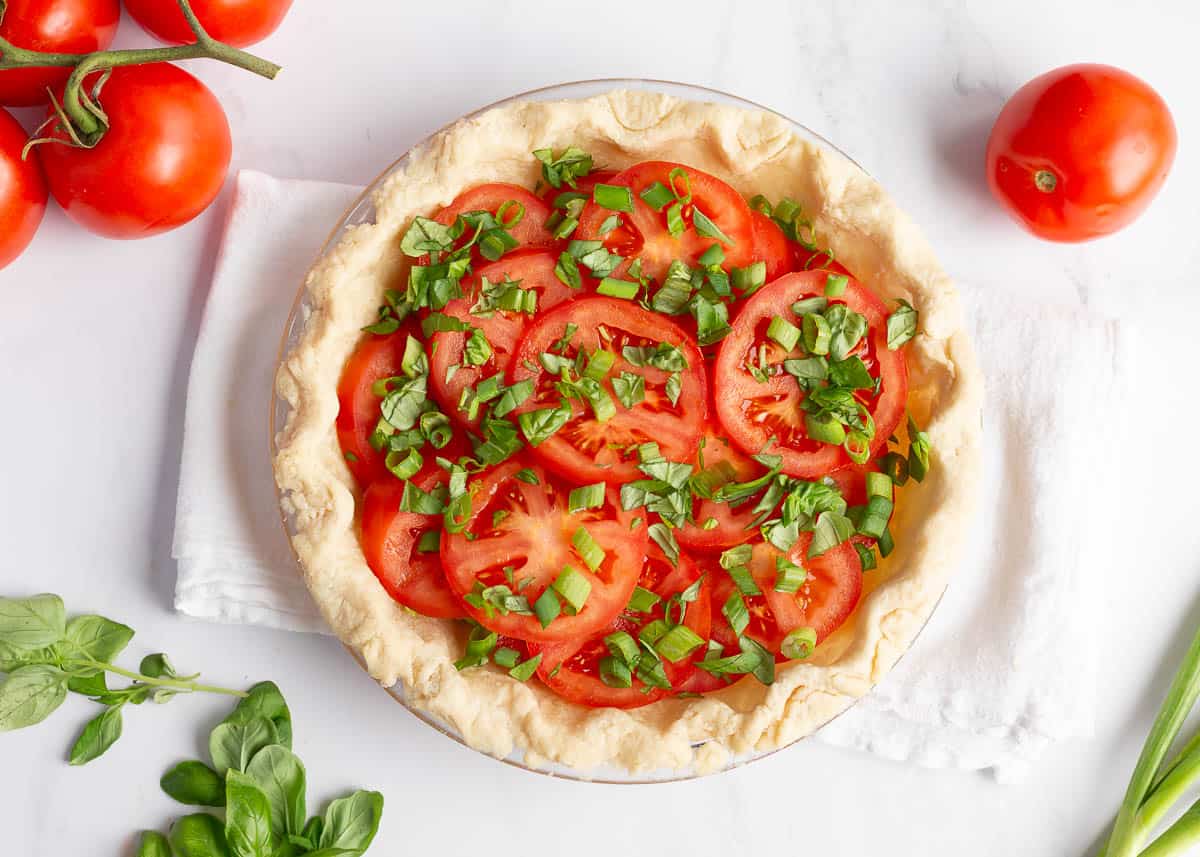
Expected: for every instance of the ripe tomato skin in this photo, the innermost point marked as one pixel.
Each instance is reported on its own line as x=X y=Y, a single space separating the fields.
x=1080 y=152
x=732 y=523
x=771 y=246
x=52 y=26
x=530 y=231
x=375 y=357
x=235 y=22
x=389 y=541
x=161 y=163
x=22 y=192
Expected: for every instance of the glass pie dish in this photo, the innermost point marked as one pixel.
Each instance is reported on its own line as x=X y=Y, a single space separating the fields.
x=362 y=211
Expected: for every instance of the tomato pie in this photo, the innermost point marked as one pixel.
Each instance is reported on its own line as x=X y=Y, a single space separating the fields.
x=634 y=432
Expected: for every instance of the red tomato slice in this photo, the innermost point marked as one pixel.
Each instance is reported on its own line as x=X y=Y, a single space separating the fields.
x=503 y=329
x=391 y=543
x=529 y=231
x=528 y=529
x=586 y=450
x=358 y=407
x=754 y=413
x=583 y=185
x=771 y=246
x=575 y=663
x=824 y=601
x=732 y=522
x=644 y=232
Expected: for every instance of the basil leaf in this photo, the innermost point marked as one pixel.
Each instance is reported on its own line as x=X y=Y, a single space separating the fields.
x=265 y=700
x=664 y=537
x=851 y=374
x=312 y=830
x=12 y=657
x=426 y=236
x=153 y=844
x=673 y=388
x=194 y=783
x=901 y=325
x=100 y=733
x=712 y=319
x=198 y=835
x=630 y=388
x=30 y=695
x=573 y=163
x=665 y=356
x=247 y=818
x=567 y=271
x=538 y=425
x=764 y=670
x=157 y=666
x=280 y=774
x=233 y=745
x=351 y=822
x=401 y=407
x=32 y=623
x=94 y=637
x=846 y=330
x=830 y=531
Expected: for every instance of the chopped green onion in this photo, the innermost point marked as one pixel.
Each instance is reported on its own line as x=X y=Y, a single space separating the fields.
x=710 y=524
x=623 y=647
x=563 y=200
x=615 y=288
x=783 y=332
x=598 y=365
x=642 y=600
x=614 y=673
x=816 y=333
x=675 y=224
x=866 y=556
x=652 y=632
x=678 y=643
x=404 y=466
x=495 y=243
x=589 y=551
x=505 y=207
x=736 y=613
x=750 y=279
x=567 y=271
x=586 y=497
x=610 y=223
x=835 y=285
x=613 y=197
x=657 y=196
x=798 y=644
x=547 y=607
x=809 y=306
x=875 y=517
x=886 y=544
x=524 y=671
x=506 y=657
x=573 y=587
x=714 y=255
x=744 y=580
x=706 y=227
x=858 y=446
x=430 y=541
x=901 y=326
x=895 y=466
x=879 y=485
x=480 y=643
x=565 y=227
x=824 y=428
x=789 y=577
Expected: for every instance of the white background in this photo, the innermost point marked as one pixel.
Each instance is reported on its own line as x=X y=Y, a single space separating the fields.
x=96 y=339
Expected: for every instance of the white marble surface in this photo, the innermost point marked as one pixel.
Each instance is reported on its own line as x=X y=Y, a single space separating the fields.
x=95 y=339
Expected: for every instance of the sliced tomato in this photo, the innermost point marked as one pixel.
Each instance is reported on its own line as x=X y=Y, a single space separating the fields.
x=754 y=412
x=583 y=185
x=572 y=668
x=852 y=481
x=358 y=407
x=732 y=523
x=527 y=529
x=530 y=230
x=643 y=232
x=503 y=329
x=391 y=542
x=588 y=450
x=825 y=600
x=771 y=246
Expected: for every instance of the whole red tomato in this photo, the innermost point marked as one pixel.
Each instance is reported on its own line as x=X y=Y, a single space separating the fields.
x=1080 y=152
x=162 y=161
x=22 y=191
x=235 y=22
x=52 y=26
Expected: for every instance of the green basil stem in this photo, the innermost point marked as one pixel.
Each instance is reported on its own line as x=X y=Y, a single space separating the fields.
x=1177 y=839
x=176 y=683
x=84 y=120
x=1181 y=696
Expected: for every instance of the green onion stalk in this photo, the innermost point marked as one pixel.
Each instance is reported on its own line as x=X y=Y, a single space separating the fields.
x=79 y=113
x=1154 y=787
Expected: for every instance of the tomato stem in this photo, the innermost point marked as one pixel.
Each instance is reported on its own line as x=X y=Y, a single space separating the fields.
x=1045 y=181
x=86 y=118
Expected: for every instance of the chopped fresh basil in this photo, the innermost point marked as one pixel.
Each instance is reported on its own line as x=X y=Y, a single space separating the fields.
x=572 y=164
x=630 y=388
x=901 y=325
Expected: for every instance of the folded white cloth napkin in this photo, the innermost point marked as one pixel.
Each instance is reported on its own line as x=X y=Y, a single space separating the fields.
x=1005 y=666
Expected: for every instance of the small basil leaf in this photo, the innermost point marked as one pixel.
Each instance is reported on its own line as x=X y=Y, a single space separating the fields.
x=32 y=623
x=198 y=835
x=101 y=732
x=351 y=822
x=312 y=830
x=30 y=695
x=153 y=844
x=265 y=700
x=94 y=637
x=247 y=817
x=233 y=745
x=157 y=666
x=280 y=774
x=194 y=783
x=93 y=684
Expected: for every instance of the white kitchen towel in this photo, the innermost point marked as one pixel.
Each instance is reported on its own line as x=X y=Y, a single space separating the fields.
x=1005 y=666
